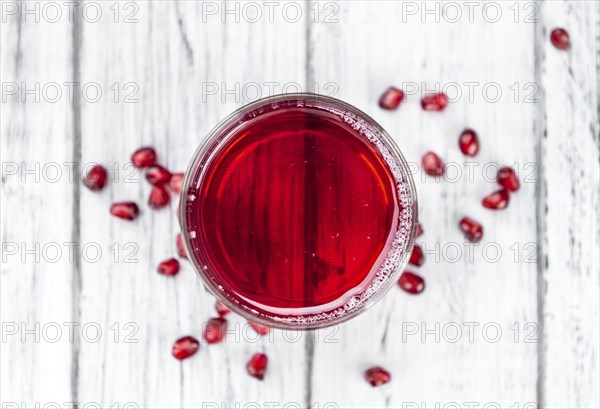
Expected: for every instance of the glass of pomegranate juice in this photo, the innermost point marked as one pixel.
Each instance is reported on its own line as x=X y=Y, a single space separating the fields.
x=298 y=211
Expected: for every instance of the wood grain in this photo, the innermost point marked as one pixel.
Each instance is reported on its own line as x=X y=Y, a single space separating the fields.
x=387 y=47
x=192 y=68
x=38 y=227
x=169 y=71
x=569 y=208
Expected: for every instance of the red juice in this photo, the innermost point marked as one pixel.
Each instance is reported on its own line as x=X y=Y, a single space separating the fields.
x=292 y=211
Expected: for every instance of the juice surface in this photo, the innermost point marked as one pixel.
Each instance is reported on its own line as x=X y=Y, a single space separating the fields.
x=294 y=210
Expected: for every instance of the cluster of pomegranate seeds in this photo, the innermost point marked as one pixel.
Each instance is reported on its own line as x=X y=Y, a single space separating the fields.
x=434 y=102
x=180 y=248
x=507 y=178
x=257 y=366
x=176 y=182
x=391 y=98
x=125 y=210
x=157 y=175
x=215 y=330
x=469 y=142
x=143 y=157
x=169 y=267
x=411 y=283
x=185 y=347
x=432 y=164
x=159 y=197
x=472 y=229
x=96 y=178
x=377 y=376
x=417 y=258
x=259 y=328
x=221 y=309
x=560 y=38
x=497 y=200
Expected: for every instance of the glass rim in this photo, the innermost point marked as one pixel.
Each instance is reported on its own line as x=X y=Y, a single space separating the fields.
x=203 y=150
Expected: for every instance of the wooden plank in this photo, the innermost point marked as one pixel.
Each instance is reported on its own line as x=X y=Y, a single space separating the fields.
x=192 y=65
x=178 y=61
x=377 y=44
x=569 y=207
x=38 y=231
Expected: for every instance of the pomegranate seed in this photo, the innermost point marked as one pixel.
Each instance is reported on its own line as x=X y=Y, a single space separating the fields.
x=125 y=210
x=257 y=366
x=411 y=283
x=157 y=175
x=143 y=157
x=259 y=328
x=176 y=182
x=469 y=142
x=391 y=98
x=432 y=164
x=180 y=248
x=472 y=229
x=560 y=38
x=169 y=267
x=419 y=230
x=96 y=178
x=507 y=178
x=215 y=330
x=377 y=376
x=497 y=200
x=434 y=102
x=221 y=308
x=159 y=197
x=185 y=347
x=417 y=258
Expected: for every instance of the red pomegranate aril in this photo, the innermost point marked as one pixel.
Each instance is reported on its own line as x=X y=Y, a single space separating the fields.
x=185 y=347
x=215 y=330
x=560 y=38
x=169 y=267
x=497 y=200
x=143 y=157
x=434 y=102
x=419 y=230
x=417 y=258
x=176 y=182
x=259 y=328
x=180 y=248
x=469 y=142
x=377 y=376
x=125 y=210
x=157 y=175
x=257 y=366
x=221 y=308
x=391 y=98
x=159 y=197
x=411 y=283
x=96 y=178
x=432 y=164
x=507 y=178
x=472 y=229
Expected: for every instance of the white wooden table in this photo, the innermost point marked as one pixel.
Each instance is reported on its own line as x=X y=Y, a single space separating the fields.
x=513 y=325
